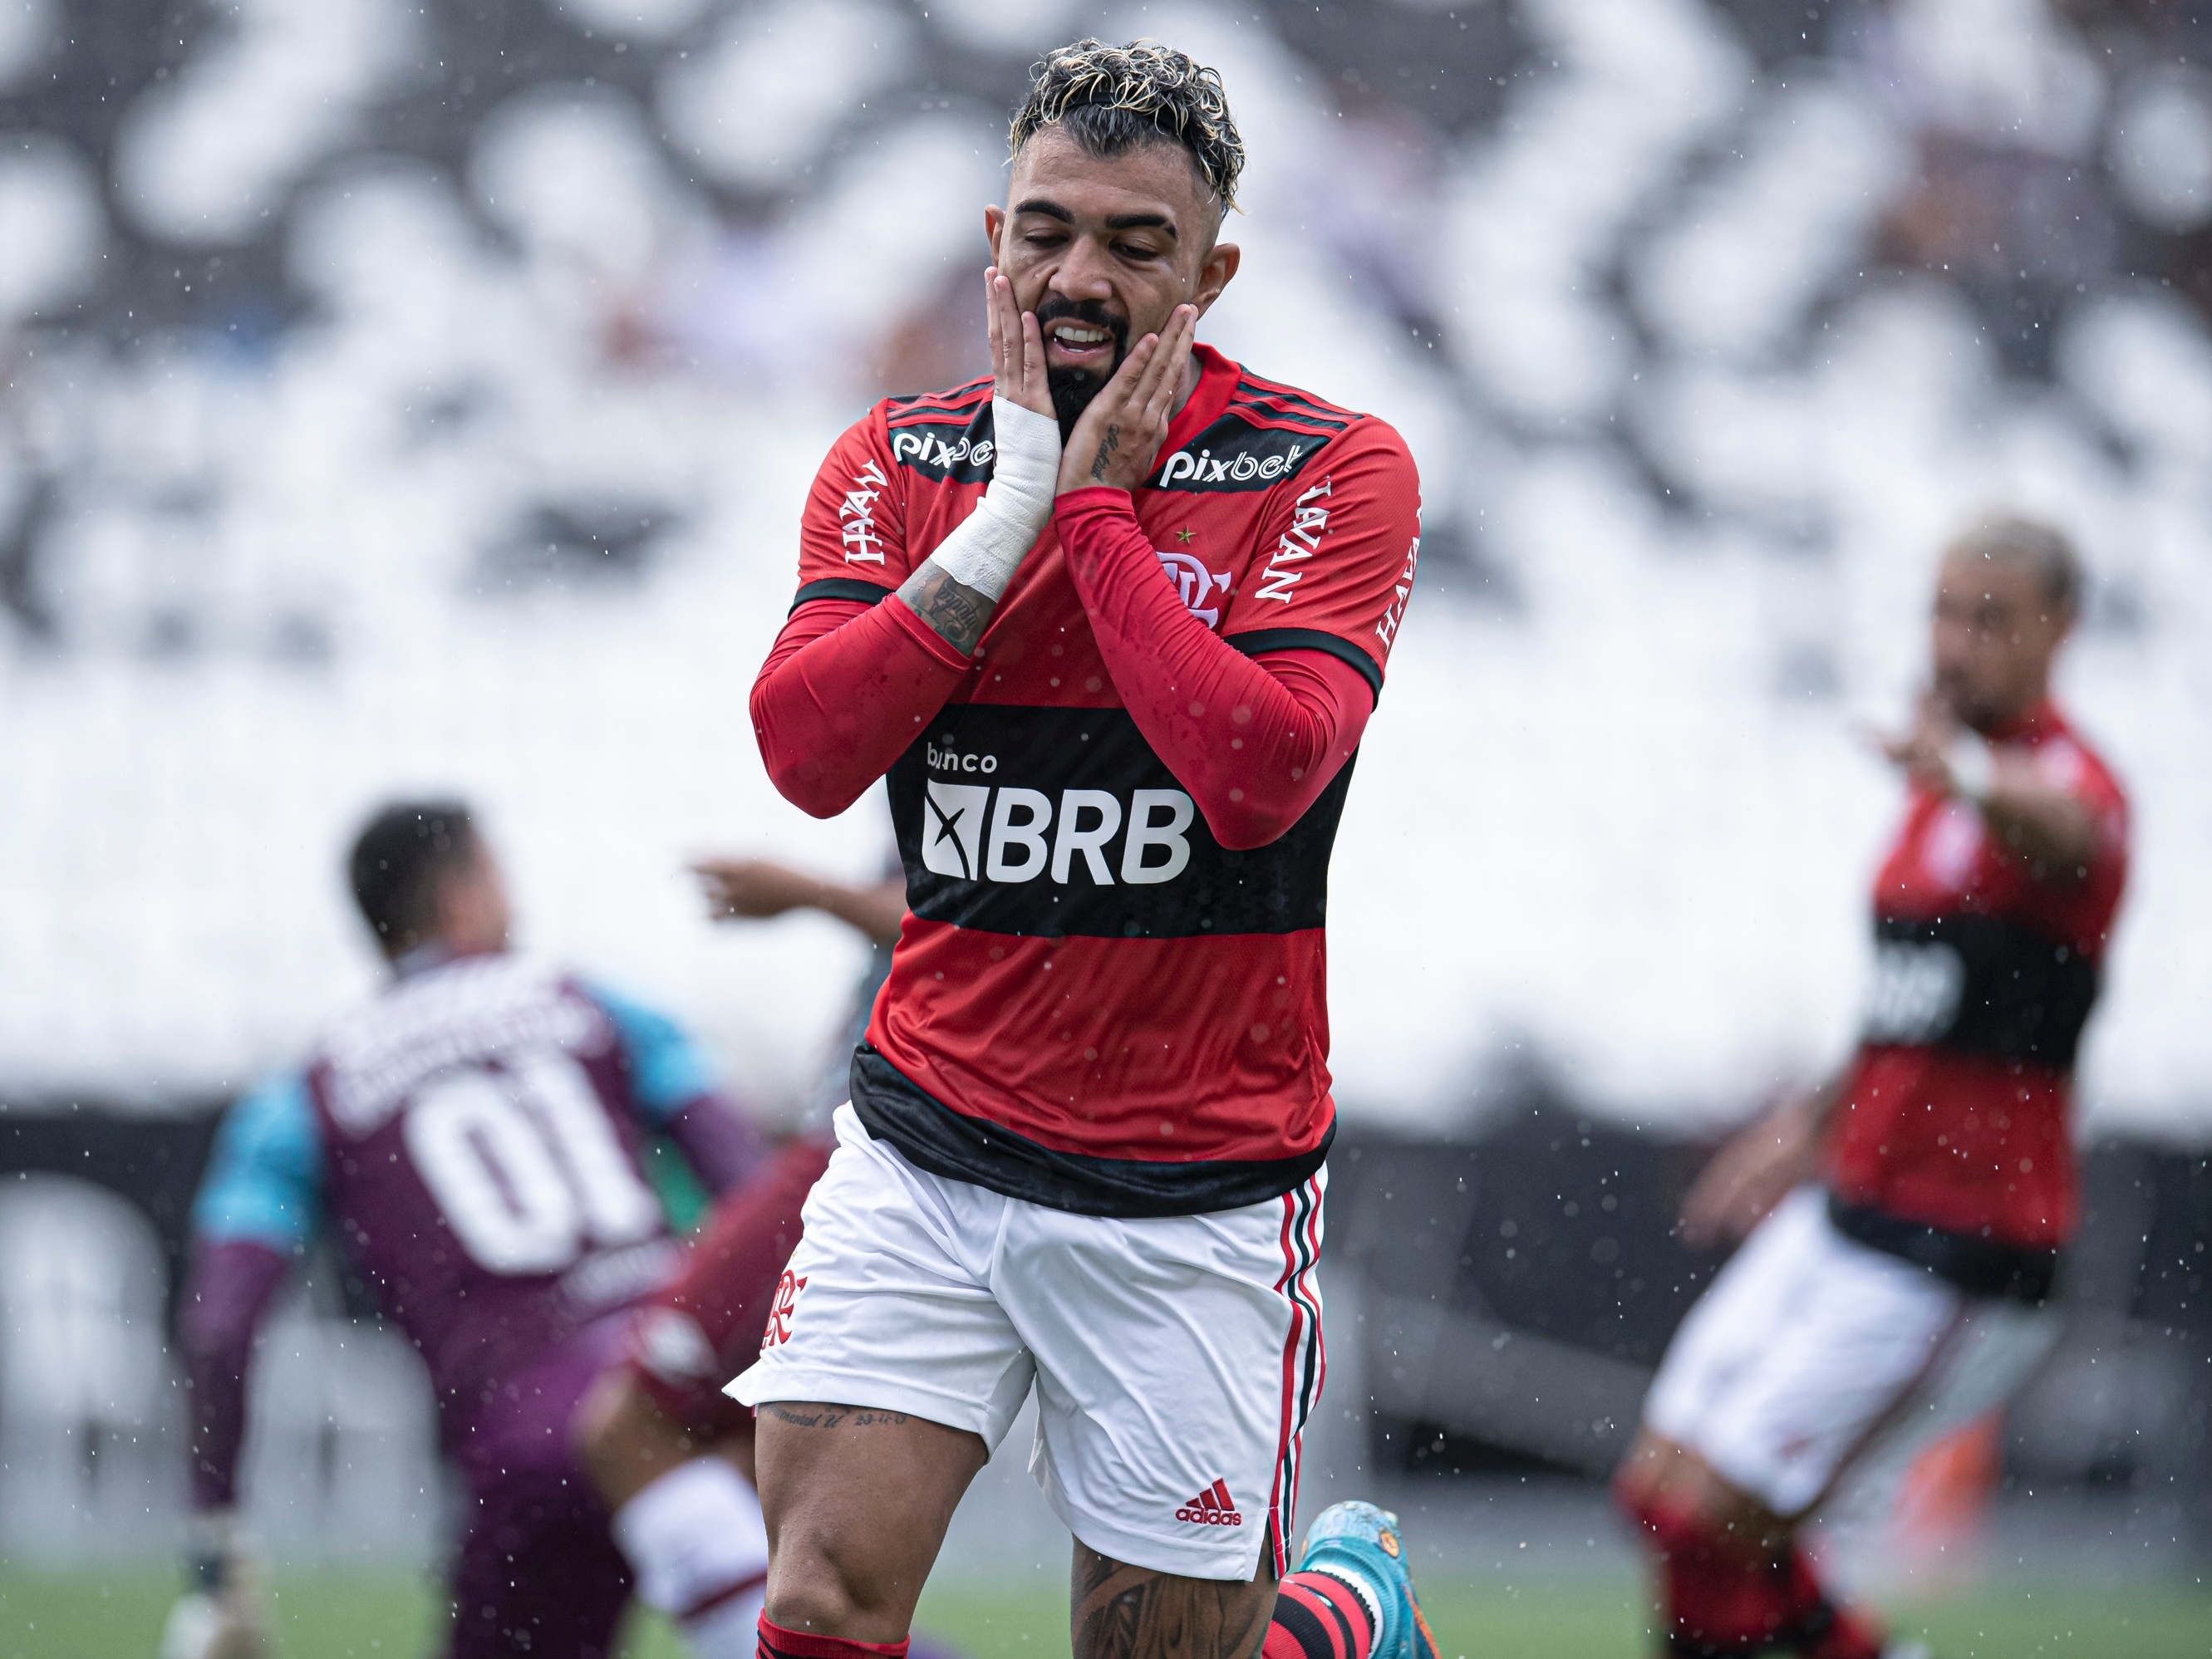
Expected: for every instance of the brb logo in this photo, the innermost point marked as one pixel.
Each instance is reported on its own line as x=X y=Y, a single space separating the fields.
x=780 y=1311
x=1194 y=583
x=1916 y=992
x=974 y=832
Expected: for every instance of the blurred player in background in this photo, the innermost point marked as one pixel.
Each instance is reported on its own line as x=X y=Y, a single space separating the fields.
x=1903 y=1292
x=663 y=1442
x=469 y=1140
x=1112 y=623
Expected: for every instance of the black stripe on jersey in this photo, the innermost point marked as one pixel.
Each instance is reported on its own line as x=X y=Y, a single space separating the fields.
x=1979 y=1266
x=1234 y=454
x=1053 y=823
x=1288 y=400
x=959 y=396
x=1982 y=984
x=1309 y=639
x=840 y=587
x=946 y=445
x=935 y=1138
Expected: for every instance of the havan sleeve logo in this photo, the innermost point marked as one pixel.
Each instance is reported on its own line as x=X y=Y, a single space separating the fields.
x=1308 y=519
x=856 y=517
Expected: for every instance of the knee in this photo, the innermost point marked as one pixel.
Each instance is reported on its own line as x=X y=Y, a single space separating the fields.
x=813 y=1587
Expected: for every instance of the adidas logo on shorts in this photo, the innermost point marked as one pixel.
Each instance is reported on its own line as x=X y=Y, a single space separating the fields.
x=1212 y=1507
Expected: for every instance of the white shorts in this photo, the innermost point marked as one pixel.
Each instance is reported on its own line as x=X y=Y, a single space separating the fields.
x=1176 y=1358
x=1813 y=1357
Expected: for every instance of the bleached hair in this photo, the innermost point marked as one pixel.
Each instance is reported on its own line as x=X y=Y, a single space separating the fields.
x=1110 y=99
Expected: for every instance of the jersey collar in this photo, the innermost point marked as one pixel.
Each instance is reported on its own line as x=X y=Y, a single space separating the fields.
x=2039 y=724
x=1217 y=379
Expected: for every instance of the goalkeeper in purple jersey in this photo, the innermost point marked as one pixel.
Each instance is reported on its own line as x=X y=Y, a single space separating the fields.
x=471 y=1140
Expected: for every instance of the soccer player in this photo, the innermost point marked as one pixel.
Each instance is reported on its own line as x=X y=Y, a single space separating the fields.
x=1903 y=1291
x=657 y=1426
x=1111 y=622
x=469 y=1139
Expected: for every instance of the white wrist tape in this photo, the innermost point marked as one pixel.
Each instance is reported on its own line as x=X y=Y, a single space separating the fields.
x=1973 y=768
x=988 y=548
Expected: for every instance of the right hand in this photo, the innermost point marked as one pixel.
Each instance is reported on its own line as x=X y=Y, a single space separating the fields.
x=754 y=889
x=1751 y=1174
x=1018 y=370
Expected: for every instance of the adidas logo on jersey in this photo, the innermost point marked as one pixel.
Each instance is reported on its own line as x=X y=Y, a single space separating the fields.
x=1212 y=1507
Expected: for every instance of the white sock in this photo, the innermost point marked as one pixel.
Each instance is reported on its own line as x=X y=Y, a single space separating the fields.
x=696 y=1542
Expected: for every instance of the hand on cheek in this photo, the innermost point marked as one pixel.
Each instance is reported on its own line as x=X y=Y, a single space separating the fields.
x=1115 y=442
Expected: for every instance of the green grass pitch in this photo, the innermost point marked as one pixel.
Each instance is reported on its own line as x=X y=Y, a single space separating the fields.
x=334 y=1616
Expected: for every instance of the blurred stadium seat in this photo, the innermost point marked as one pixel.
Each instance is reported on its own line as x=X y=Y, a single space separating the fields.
x=405 y=397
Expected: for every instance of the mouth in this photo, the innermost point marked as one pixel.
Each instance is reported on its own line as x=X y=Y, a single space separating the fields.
x=1071 y=344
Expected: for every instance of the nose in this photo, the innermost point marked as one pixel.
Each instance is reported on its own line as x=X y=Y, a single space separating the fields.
x=1081 y=273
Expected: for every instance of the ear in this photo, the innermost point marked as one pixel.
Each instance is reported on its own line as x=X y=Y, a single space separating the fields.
x=1215 y=272
x=994 y=224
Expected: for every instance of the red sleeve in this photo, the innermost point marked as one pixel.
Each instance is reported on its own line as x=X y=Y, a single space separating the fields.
x=1254 y=740
x=1337 y=548
x=843 y=694
x=854 y=673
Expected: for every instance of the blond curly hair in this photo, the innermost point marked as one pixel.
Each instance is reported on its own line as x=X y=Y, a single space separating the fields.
x=1111 y=99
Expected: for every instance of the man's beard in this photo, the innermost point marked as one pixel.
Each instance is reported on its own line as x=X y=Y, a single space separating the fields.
x=1072 y=389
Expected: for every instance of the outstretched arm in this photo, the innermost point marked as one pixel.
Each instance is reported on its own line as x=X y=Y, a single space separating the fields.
x=259 y=1204
x=844 y=691
x=229 y=1289
x=758 y=889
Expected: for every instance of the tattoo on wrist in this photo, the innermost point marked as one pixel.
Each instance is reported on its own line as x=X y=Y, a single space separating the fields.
x=957 y=611
x=1107 y=446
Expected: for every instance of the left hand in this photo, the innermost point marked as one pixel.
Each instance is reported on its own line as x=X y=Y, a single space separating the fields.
x=753 y=889
x=1116 y=437
x=1924 y=752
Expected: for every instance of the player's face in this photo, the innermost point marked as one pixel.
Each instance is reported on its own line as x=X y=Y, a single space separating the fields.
x=1104 y=249
x=473 y=915
x=1995 y=633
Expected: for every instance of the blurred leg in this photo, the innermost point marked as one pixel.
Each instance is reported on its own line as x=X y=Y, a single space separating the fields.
x=538 y=1574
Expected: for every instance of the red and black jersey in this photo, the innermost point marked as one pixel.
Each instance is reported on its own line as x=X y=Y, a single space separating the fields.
x=1955 y=1113
x=1094 y=1004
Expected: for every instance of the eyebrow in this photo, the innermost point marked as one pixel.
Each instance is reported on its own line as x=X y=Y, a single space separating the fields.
x=1050 y=210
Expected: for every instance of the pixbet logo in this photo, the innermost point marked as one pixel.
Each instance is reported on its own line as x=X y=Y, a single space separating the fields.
x=923 y=448
x=1207 y=468
x=1194 y=582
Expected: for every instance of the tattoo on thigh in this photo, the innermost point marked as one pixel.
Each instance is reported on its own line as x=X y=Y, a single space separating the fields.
x=833 y=1417
x=1122 y=1612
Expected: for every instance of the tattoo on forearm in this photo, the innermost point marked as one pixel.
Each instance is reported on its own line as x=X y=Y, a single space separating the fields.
x=1107 y=446
x=1121 y=1611
x=956 y=611
x=832 y=1417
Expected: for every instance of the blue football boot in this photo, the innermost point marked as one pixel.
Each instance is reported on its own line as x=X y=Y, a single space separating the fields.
x=1359 y=1542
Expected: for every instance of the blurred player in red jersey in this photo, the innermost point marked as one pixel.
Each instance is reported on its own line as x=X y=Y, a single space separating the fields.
x=665 y=1447
x=1904 y=1220
x=1111 y=623
x=470 y=1138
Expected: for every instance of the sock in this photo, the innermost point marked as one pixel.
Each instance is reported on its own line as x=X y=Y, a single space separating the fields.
x=695 y=1540
x=1719 y=1595
x=1320 y=1616
x=1818 y=1628
x=777 y=1643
